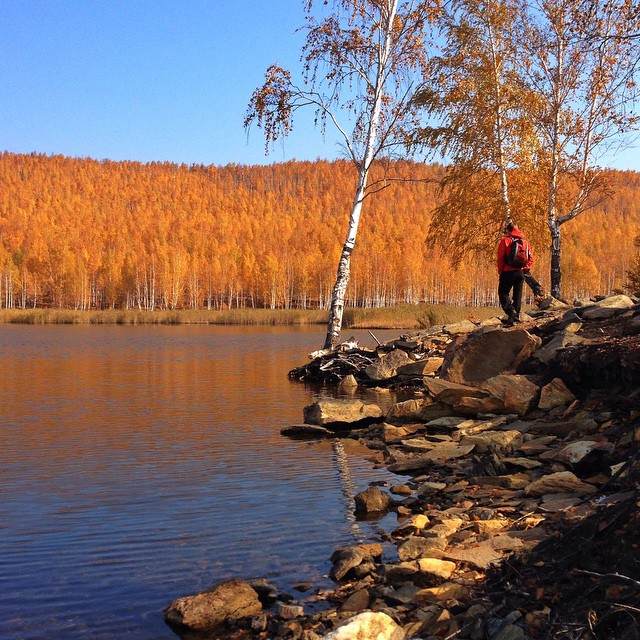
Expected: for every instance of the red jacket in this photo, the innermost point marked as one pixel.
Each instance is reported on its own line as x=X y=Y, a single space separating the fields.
x=503 y=250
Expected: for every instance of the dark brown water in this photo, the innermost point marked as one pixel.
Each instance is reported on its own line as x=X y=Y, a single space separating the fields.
x=140 y=464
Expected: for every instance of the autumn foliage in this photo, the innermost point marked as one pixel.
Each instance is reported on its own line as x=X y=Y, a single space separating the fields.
x=82 y=233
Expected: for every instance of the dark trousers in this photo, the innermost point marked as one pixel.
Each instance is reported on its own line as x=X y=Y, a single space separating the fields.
x=511 y=281
x=534 y=285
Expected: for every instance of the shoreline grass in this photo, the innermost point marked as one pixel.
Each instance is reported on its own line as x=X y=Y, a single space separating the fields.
x=399 y=317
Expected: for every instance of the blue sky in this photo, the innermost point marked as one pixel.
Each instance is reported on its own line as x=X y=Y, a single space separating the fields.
x=165 y=80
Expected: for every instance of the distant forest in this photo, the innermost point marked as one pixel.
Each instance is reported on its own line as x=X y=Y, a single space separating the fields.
x=87 y=234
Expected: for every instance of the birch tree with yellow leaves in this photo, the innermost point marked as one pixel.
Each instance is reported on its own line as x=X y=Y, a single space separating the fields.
x=363 y=62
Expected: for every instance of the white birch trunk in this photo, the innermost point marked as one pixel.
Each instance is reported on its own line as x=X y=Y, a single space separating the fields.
x=344 y=265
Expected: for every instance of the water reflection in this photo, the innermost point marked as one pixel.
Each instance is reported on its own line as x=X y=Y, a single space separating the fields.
x=138 y=464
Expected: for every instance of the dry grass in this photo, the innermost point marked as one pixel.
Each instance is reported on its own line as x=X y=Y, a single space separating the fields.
x=399 y=317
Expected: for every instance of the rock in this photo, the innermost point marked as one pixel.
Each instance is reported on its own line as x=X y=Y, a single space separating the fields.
x=487 y=440
x=485 y=354
x=517 y=393
x=413 y=525
x=576 y=452
x=424 y=367
x=406 y=411
x=433 y=411
x=357 y=601
x=448 y=451
x=347 y=383
x=560 y=341
x=436 y=567
x=560 y=482
x=465 y=326
x=289 y=611
x=387 y=366
x=451 y=392
x=307 y=431
x=350 y=557
x=555 y=394
x=392 y=433
x=446 y=591
x=415 y=547
x=209 y=609
x=606 y=308
x=367 y=626
x=330 y=411
x=551 y=304
x=373 y=500
x=581 y=424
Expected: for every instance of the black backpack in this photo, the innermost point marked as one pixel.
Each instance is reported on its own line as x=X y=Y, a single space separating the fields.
x=519 y=253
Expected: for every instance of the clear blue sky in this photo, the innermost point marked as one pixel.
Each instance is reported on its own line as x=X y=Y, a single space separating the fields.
x=165 y=80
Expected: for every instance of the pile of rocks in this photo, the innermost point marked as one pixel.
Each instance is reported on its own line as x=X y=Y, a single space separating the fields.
x=507 y=438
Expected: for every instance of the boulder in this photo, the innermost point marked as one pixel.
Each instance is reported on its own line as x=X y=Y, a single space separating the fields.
x=517 y=393
x=367 y=625
x=373 y=500
x=209 y=609
x=330 y=411
x=485 y=354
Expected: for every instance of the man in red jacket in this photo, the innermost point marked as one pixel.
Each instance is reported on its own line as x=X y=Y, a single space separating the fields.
x=512 y=276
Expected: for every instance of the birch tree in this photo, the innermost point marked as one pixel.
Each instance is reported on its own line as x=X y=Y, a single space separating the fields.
x=363 y=62
x=473 y=99
x=541 y=90
x=581 y=67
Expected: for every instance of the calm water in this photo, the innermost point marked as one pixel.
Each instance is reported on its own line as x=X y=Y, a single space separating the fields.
x=140 y=464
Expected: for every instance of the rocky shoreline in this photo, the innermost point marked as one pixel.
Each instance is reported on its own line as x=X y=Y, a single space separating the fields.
x=517 y=516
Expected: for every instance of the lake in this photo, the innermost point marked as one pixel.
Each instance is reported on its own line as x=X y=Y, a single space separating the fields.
x=139 y=464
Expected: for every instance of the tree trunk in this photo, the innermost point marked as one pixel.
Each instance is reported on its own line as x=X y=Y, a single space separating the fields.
x=556 y=273
x=344 y=268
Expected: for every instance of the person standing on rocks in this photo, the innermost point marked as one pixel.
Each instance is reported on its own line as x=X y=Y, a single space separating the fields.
x=514 y=261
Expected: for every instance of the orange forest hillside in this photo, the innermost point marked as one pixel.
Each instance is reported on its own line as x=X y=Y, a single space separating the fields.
x=81 y=233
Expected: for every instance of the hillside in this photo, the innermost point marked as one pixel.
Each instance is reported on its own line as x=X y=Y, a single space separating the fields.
x=81 y=233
